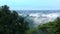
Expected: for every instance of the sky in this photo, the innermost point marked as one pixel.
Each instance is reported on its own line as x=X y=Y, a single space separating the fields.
x=32 y=4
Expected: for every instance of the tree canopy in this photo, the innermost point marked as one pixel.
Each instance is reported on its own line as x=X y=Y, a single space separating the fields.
x=11 y=22
x=51 y=27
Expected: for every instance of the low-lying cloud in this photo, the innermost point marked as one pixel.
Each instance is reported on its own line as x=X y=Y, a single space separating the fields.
x=38 y=18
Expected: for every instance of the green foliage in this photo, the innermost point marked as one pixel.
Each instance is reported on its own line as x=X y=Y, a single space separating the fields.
x=51 y=27
x=31 y=31
x=11 y=22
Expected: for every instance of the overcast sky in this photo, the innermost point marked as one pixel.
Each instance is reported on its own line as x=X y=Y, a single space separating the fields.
x=32 y=4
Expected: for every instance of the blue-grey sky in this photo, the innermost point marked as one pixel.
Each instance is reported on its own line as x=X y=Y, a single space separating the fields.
x=32 y=4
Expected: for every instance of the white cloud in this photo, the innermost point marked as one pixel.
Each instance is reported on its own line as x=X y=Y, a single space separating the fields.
x=44 y=17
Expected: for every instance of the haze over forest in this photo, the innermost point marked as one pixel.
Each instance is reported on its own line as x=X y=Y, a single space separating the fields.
x=29 y=16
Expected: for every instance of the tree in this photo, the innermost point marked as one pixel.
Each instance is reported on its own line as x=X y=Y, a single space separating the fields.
x=11 y=22
x=51 y=27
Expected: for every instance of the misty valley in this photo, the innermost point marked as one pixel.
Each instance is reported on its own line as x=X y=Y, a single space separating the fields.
x=29 y=21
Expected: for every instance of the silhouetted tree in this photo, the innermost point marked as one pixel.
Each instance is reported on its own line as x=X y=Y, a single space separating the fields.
x=11 y=22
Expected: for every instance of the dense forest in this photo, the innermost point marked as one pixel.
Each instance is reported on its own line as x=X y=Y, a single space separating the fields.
x=12 y=23
x=51 y=27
